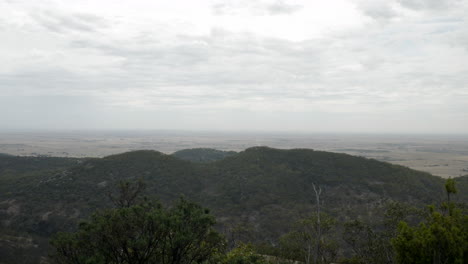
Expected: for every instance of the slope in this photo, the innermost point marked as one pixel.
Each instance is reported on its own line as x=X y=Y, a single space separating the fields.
x=261 y=189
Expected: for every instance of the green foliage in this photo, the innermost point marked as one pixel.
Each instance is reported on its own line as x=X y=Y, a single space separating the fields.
x=240 y=233
x=368 y=245
x=244 y=254
x=202 y=155
x=128 y=194
x=145 y=233
x=442 y=238
x=301 y=242
x=17 y=164
x=450 y=188
x=362 y=240
x=191 y=238
x=371 y=243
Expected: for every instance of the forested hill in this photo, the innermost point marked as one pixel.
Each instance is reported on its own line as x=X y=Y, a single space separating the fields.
x=262 y=189
x=202 y=154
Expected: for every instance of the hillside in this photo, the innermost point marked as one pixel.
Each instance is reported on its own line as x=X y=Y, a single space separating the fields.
x=261 y=189
x=202 y=155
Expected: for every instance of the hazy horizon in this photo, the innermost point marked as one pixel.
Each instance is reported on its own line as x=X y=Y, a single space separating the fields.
x=443 y=155
x=98 y=131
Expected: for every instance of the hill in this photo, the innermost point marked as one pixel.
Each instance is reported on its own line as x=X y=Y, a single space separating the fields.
x=202 y=154
x=262 y=190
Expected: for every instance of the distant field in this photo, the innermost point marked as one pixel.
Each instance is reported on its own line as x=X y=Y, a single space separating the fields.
x=446 y=156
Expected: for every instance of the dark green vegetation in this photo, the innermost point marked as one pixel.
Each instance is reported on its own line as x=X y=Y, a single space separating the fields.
x=202 y=154
x=441 y=238
x=256 y=195
x=142 y=233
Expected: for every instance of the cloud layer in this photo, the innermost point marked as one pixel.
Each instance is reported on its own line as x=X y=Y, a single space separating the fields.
x=351 y=66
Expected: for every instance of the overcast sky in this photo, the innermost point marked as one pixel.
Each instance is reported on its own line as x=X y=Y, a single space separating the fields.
x=256 y=65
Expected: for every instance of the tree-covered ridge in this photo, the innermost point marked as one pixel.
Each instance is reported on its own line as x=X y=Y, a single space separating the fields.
x=20 y=164
x=257 y=194
x=202 y=155
x=281 y=168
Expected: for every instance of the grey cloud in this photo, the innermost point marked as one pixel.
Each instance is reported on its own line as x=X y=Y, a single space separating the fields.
x=34 y=80
x=222 y=8
x=190 y=70
x=379 y=10
x=214 y=60
x=464 y=41
x=280 y=7
x=3 y=24
x=392 y=69
x=385 y=10
x=428 y=4
x=224 y=66
x=64 y=23
x=256 y=7
x=56 y=81
x=459 y=37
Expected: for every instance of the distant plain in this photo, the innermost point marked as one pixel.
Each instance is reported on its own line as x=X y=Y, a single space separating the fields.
x=442 y=155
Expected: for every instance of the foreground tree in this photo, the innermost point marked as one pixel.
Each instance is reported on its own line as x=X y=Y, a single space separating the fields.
x=244 y=254
x=371 y=243
x=363 y=241
x=442 y=238
x=300 y=244
x=142 y=233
